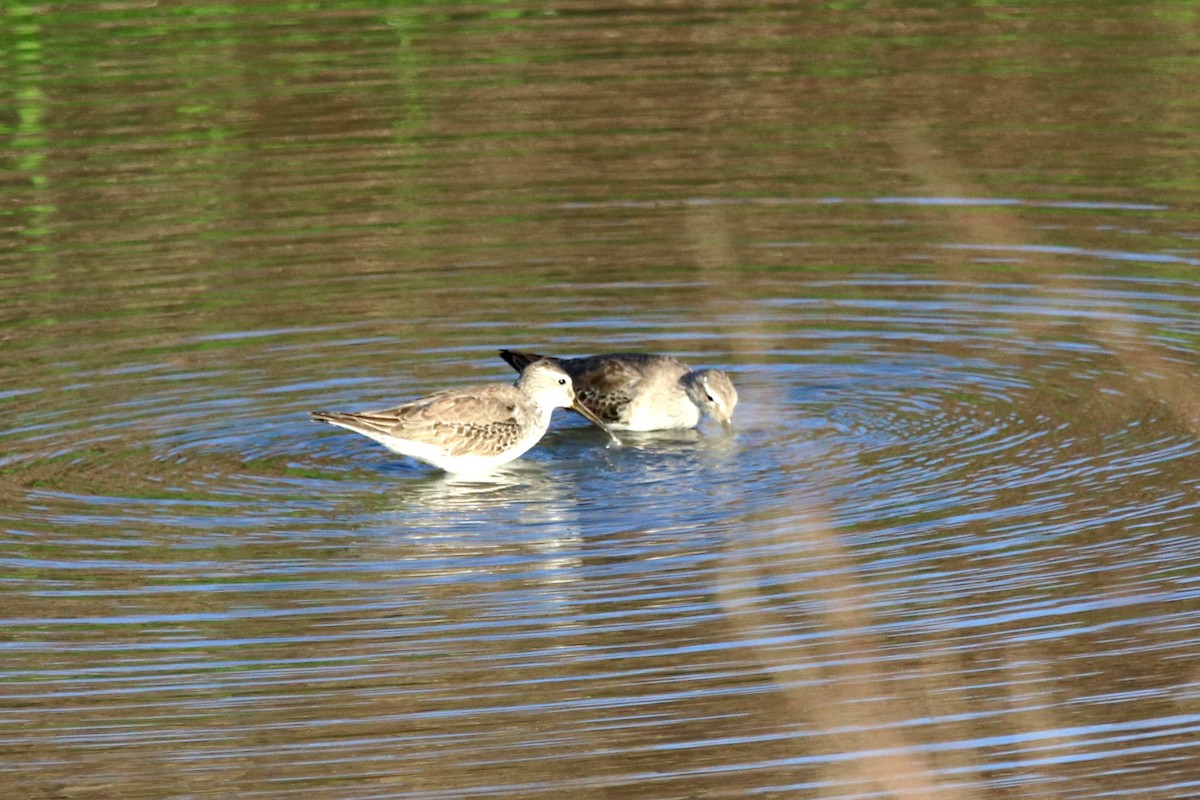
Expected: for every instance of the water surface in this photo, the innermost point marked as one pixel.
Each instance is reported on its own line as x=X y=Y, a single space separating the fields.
x=947 y=253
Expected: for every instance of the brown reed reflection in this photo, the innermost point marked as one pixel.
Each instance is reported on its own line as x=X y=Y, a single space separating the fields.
x=854 y=687
x=215 y=218
x=839 y=682
x=1148 y=369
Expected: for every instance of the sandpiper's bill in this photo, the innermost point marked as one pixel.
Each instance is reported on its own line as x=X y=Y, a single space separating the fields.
x=641 y=392
x=471 y=429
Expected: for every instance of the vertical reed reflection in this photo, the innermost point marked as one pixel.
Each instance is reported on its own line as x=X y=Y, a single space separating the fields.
x=896 y=707
x=1148 y=368
x=219 y=218
x=837 y=683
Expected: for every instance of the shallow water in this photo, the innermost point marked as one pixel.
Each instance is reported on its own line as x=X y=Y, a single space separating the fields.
x=948 y=255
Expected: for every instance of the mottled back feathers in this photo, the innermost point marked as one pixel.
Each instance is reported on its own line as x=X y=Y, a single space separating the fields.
x=638 y=391
x=468 y=429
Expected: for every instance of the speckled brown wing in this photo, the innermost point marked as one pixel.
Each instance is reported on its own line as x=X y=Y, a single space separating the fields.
x=608 y=384
x=464 y=438
x=475 y=420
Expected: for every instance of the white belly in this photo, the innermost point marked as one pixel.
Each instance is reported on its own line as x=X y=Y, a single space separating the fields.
x=677 y=412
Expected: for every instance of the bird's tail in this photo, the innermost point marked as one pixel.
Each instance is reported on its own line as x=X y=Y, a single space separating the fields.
x=519 y=360
x=366 y=424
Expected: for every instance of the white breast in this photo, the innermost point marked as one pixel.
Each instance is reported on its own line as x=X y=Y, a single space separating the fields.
x=678 y=411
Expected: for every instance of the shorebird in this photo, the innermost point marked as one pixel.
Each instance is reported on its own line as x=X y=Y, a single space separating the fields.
x=474 y=428
x=639 y=392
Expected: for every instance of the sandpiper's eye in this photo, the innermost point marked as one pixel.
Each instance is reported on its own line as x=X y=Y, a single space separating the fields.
x=563 y=382
x=710 y=397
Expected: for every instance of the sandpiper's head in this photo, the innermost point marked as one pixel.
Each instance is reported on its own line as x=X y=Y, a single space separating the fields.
x=546 y=382
x=552 y=387
x=713 y=392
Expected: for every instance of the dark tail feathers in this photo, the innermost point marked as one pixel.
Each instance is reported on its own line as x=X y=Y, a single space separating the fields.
x=518 y=360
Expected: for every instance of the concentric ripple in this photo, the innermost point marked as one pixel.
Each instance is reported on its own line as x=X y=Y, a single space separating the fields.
x=944 y=520
x=947 y=252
